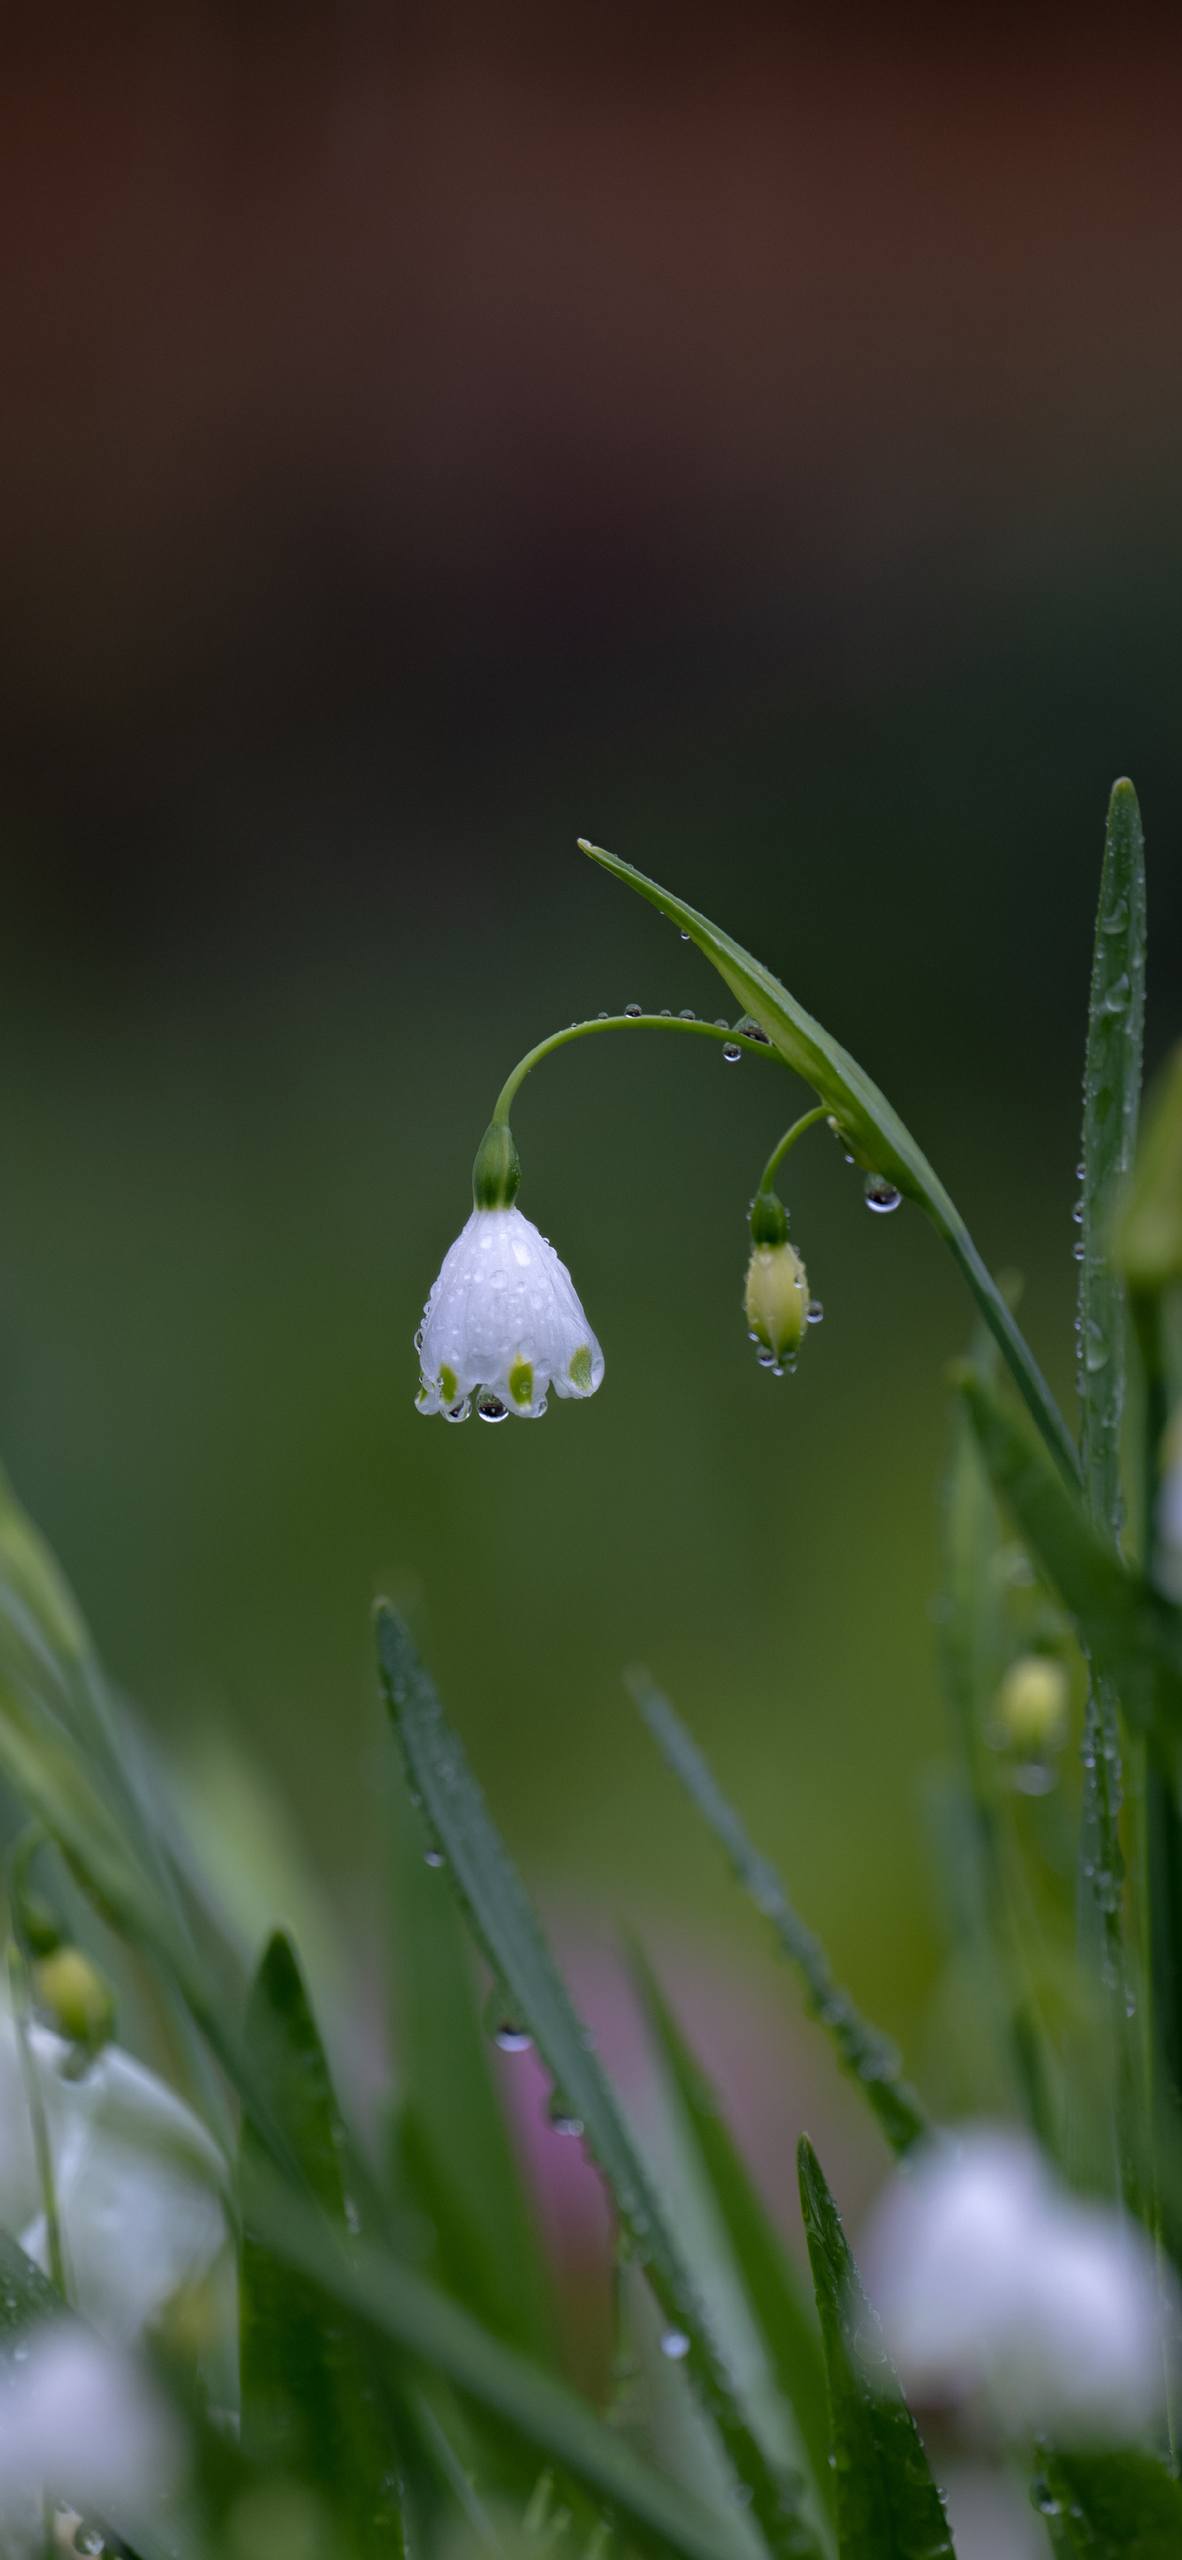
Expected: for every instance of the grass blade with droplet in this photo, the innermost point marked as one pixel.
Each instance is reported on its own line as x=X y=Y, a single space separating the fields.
x=452 y=2144
x=1110 y=2506
x=888 y=2505
x=772 y=2290
x=313 y=2405
x=403 y=2307
x=869 y=2058
x=507 y=1928
x=1112 y=1095
x=873 y=1128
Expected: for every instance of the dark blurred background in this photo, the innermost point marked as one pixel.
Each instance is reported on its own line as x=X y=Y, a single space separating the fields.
x=428 y=436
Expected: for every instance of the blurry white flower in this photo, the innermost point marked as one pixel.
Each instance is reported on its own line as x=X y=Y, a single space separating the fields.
x=137 y=2179
x=1001 y=2292
x=503 y=1323
x=80 y=2422
x=1033 y=1703
x=776 y=1301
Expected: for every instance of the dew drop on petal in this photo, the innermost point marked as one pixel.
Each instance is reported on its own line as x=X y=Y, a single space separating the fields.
x=814 y=1312
x=491 y=1409
x=512 y=2039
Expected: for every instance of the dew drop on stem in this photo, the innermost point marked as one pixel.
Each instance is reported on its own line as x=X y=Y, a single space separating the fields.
x=731 y=1052
x=879 y=1194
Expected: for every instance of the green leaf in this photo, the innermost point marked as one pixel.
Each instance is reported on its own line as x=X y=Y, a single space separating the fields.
x=453 y=2144
x=1149 y=1230
x=888 y=2505
x=424 y=2323
x=782 y=2316
x=507 y=1928
x=1132 y=1635
x=874 y=1131
x=973 y=1654
x=870 y=2059
x=312 y=2404
x=1112 y=1094
x=1110 y=2506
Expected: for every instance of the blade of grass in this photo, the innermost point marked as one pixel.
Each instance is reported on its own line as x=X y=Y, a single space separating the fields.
x=972 y=1660
x=313 y=2404
x=772 y=2290
x=870 y=2059
x=426 y=2325
x=887 y=2500
x=1131 y=1633
x=452 y=2141
x=1112 y=1094
x=507 y=1928
x=1110 y=2506
x=874 y=1130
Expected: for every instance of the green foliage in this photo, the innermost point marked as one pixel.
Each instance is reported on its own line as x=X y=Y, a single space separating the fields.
x=869 y=2058
x=1110 y=2506
x=888 y=2505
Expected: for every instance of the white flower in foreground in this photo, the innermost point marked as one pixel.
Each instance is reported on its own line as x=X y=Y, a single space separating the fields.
x=1003 y=2293
x=138 y=2180
x=81 y=2424
x=503 y=1324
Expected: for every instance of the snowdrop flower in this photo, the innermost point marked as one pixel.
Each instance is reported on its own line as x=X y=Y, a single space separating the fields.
x=776 y=1297
x=998 y=2290
x=81 y=2423
x=503 y=1324
x=137 y=2180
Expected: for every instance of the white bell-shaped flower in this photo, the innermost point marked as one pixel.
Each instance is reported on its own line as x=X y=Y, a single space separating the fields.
x=1001 y=2293
x=138 y=2181
x=503 y=1324
x=81 y=2421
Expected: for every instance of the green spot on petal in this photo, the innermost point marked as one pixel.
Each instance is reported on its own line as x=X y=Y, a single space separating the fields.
x=449 y=1385
x=521 y=1382
x=579 y=1372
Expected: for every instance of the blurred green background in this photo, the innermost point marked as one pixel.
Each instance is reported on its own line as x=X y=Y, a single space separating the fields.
x=753 y=446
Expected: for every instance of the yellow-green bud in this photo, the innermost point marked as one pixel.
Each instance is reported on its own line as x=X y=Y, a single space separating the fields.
x=75 y=1997
x=1032 y=1702
x=777 y=1299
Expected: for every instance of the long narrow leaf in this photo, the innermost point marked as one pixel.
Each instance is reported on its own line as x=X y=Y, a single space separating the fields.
x=312 y=2404
x=874 y=1130
x=1112 y=1094
x=1132 y=1636
x=1110 y=2506
x=508 y=1930
x=406 y=2309
x=870 y=2059
x=772 y=2290
x=888 y=2505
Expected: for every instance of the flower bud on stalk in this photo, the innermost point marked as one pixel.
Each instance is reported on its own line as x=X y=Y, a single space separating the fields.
x=75 y=1998
x=1032 y=1703
x=777 y=1294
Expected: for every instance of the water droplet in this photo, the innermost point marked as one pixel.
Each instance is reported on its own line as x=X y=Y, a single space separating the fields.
x=814 y=1313
x=419 y=1338
x=1116 y=918
x=512 y=2039
x=685 y=937
x=755 y=1031
x=687 y=1014
x=632 y=1010
x=434 y=1858
x=675 y=2345
x=731 y=1052
x=1078 y=1213
x=666 y=1013
x=1033 y=1778
x=721 y=1022
x=766 y=1358
x=560 y=2122
x=1081 y=1172
x=1043 y=2497
x=1118 y=996
x=880 y=1194
x=1078 y=1250
x=491 y=1409
x=602 y=1017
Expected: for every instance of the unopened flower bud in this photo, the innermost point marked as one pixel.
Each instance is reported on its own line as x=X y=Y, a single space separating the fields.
x=777 y=1299
x=74 y=1996
x=1032 y=1703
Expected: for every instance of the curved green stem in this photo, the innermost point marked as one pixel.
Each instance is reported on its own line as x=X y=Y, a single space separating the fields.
x=624 y=1022
x=807 y=1120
